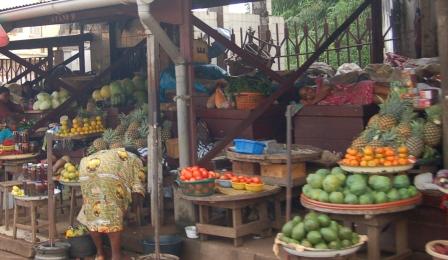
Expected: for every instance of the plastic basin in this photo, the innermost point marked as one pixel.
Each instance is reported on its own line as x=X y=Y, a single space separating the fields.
x=248 y=146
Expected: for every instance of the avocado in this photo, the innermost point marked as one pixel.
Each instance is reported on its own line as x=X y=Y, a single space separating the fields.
x=287 y=228
x=324 y=220
x=321 y=246
x=297 y=220
x=306 y=243
x=311 y=224
x=345 y=233
x=335 y=245
x=314 y=237
x=346 y=243
x=335 y=226
x=328 y=234
x=298 y=232
x=311 y=214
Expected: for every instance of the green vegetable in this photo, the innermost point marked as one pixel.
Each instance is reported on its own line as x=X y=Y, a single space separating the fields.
x=345 y=233
x=346 y=243
x=314 y=237
x=335 y=226
x=315 y=193
x=297 y=220
x=393 y=195
x=258 y=84
x=306 y=243
x=315 y=180
x=401 y=181
x=323 y=197
x=351 y=199
x=404 y=193
x=307 y=189
x=328 y=234
x=321 y=246
x=380 y=197
x=336 y=197
x=366 y=199
x=287 y=228
x=311 y=215
x=412 y=191
x=355 y=178
x=331 y=183
x=323 y=172
x=298 y=232
x=324 y=220
x=355 y=238
x=380 y=183
x=335 y=245
x=311 y=224
x=358 y=187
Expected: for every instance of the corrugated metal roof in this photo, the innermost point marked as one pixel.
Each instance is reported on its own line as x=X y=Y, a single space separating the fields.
x=37 y=2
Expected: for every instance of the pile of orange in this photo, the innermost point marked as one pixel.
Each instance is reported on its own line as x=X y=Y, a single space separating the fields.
x=380 y=156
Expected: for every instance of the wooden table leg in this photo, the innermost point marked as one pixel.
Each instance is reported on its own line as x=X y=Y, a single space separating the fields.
x=33 y=222
x=278 y=213
x=6 y=203
x=373 y=245
x=401 y=236
x=14 y=227
x=72 y=205
x=204 y=217
x=237 y=218
x=1 y=206
x=263 y=215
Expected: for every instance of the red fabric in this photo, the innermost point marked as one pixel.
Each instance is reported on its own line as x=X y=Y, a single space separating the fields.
x=4 y=39
x=360 y=93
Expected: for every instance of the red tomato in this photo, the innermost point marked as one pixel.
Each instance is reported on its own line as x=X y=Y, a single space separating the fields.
x=211 y=174
x=234 y=179
x=195 y=168
x=197 y=174
x=192 y=179
x=188 y=175
x=256 y=180
x=204 y=175
x=182 y=178
x=223 y=177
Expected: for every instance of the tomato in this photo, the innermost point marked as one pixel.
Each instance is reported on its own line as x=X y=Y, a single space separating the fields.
x=223 y=178
x=197 y=174
x=192 y=179
x=256 y=180
x=204 y=174
x=195 y=168
x=188 y=175
x=182 y=178
x=234 y=179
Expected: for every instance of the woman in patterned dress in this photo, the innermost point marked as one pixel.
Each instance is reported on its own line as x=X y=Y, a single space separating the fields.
x=108 y=178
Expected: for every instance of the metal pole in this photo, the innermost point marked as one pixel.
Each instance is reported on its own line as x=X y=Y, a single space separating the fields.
x=51 y=203
x=182 y=115
x=442 y=30
x=288 y=162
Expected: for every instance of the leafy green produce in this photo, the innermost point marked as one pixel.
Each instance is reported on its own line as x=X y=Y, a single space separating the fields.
x=315 y=180
x=366 y=199
x=393 y=195
x=345 y=233
x=258 y=84
x=351 y=198
x=335 y=245
x=314 y=237
x=285 y=239
x=323 y=197
x=298 y=232
x=380 y=183
x=338 y=170
x=404 y=193
x=311 y=224
x=401 y=181
x=324 y=220
x=287 y=228
x=336 y=197
x=331 y=183
x=321 y=246
x=412 y=191
x=328 y=234
x=323 y=172
x=341 y=176
x=380 y=197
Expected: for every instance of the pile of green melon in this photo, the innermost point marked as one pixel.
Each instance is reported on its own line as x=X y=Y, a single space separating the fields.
x=123 y=92
x=336 y=186
x=318 y=231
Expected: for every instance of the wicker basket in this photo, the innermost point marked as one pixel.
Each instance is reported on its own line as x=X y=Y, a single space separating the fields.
x=248 y=100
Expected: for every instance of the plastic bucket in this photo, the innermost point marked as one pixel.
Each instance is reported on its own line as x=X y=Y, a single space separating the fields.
x=192 y=232
x=169 y=244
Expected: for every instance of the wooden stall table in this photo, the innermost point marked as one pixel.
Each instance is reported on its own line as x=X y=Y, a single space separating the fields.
x=5 y=189
x=73 y=187
x=375 y=220
x=31 y=202
x=235 y=203
x=12 y=164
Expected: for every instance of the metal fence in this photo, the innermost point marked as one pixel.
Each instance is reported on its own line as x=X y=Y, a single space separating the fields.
x=10 y=69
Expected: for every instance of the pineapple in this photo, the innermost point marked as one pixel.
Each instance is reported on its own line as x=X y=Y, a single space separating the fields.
x=123 y=126
x=390 y=139
x=99 y=144
x=143 y=133
x=390 y=111
x=117 y=144
x=404 y=129
x=128 y=142
x=363 y=139
x=373 y=120
x=137 y=117
x=415 y=143
x=432 y=131
x=166 y=130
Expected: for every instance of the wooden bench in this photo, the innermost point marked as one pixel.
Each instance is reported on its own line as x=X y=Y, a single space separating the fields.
x=31 y=203
x=5 y=189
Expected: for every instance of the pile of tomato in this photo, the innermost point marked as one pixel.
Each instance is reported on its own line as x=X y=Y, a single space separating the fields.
x=196 y=173
x=241 y=179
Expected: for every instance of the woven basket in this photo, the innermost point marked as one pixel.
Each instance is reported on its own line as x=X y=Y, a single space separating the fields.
x=248 y=100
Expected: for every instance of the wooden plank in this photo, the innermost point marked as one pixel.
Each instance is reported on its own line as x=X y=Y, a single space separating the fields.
x=216 y=230
x=18 y=247
x=285 y=85
x=28 y=70
x=44 y=43
x=252 y=228
x=442 y=30
x=377 y=32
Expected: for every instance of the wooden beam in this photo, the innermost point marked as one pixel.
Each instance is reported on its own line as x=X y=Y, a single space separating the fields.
x=43 y=43
x=67 y=61
x=37 y=70
x=442 y=31
x=118 y=12
x=377 y=32
x=28 y=70
x=285 y=85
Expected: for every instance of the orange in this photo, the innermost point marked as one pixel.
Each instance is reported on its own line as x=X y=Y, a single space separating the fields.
x=403 y=149
x=403 y=155
x=389 y=153
x=382 y=160
x=345 y=161
x=368 y=150
x=372 y=164
x=363 y=163
x=379 y=155
x=390 y=158
x=352 y=151
x=379 y=150
x=403 y=161
x=354 y=163
x=395 y=162
x=368 y=158
x=387 y=163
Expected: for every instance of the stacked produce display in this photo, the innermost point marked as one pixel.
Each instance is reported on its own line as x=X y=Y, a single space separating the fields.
x=123 y=92
x=317 y=232
x=339 y=187
x=45 y=101
x=69 y=173
x=80 y=126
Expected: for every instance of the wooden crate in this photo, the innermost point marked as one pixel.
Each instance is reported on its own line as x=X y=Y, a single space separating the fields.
x=245 y=168
x=281 y=170
x=172 y=148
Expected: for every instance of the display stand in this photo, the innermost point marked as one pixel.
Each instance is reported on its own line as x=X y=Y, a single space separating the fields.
x=375 y=220
x=235 y=203
x=73 y=187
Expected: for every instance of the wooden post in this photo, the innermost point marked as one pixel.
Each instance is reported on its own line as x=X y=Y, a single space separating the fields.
x=50 y=58
x=82 y=59
x=377 y=32
x=220 y=24
x=442 y=31
x=429 y=29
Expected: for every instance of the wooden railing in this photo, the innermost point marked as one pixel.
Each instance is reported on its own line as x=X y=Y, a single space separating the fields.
x=9 y=69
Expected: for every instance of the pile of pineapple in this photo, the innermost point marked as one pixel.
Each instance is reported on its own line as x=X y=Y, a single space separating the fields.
x=132 y=131
x=397 y=125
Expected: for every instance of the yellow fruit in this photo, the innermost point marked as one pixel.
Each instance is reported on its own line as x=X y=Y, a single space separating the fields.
x=98 y=118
